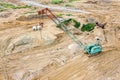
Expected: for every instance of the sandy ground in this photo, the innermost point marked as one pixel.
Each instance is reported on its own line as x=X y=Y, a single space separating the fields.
x=25 y=56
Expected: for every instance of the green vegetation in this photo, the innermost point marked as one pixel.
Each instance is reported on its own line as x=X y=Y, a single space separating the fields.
x=71 y=0
x=85 y=27
x=25 y=6
x=68 y=14
x=29 y=12
x=68 y=21
x=2 y=9
x=68 y=5
x=57 y=1
x=77 y=24
x=88 y=27
x=5 y=6
x=59 y=15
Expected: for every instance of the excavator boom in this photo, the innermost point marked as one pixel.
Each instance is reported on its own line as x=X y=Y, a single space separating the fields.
x=48 y=12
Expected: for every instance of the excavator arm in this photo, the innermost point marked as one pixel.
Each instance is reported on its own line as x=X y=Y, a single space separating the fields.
x=49 y=13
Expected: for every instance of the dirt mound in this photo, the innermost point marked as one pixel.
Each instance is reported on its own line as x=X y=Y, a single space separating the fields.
x=28 y=17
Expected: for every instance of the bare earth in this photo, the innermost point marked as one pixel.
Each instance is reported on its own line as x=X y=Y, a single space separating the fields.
x=27 y=56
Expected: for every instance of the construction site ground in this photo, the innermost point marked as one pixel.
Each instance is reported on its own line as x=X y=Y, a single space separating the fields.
x=25 y=55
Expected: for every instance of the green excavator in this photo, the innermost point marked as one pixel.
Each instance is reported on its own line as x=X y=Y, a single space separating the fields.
x=91 y=49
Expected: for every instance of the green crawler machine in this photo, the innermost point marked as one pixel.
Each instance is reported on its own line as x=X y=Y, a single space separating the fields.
x=91 y=49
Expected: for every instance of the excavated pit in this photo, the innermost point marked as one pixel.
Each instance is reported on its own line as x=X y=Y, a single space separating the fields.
x=30 y=57
x=25 y=56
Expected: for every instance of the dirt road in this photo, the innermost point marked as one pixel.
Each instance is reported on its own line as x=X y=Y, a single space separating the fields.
x=59 y=8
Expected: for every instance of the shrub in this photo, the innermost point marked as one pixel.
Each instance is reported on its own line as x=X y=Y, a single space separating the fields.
x=59 y=15
x=19 y=7
x=88 y=27
x=68 y=21
x=68 y=5
x=57 y=1
x=29 y=12
x=68 y=14
x=71 y=0
x=2 y=9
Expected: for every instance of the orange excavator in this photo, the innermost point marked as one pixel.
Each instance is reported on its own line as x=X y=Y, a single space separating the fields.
x=48 y=13
x=90 y=49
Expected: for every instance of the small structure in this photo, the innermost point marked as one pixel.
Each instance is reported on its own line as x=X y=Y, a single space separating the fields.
x=34 y=28
x=38 y=28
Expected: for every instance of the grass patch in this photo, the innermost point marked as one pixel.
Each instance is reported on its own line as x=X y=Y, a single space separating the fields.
x=71 y=0
x=5 y=6
x=68 y=5
x=29 y=12
x=59 y=15
x=68 y=14
x=25 y=6
x=2 y=9
x=57 y=1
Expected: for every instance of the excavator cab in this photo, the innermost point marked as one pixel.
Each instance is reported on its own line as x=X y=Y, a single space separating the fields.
x=95 y=48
